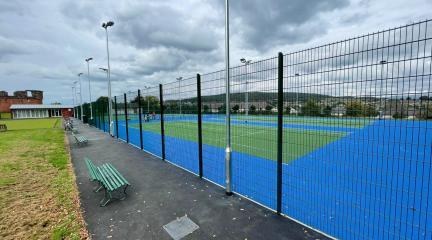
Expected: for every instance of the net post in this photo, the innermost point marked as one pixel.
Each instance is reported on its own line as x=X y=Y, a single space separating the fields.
x=126 y=118
x=200 y=154
x=279 y=133
x=116 y=116
x=140 y=119
x=162 y=120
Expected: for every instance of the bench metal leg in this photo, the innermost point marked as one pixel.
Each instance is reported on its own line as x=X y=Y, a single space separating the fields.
x=99 y=188
x=124 y=192
x=107 y=198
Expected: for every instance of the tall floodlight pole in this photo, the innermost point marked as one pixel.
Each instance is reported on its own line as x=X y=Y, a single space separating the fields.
x=75 y=92
x=81 y=103
x=88 y=76
x=106 y=25
x=73 y=96
x=227 y=105
x=179 y=79
x=246 y=63
x=148 y=98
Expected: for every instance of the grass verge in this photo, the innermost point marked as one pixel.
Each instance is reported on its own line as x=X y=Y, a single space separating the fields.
x=38 y=195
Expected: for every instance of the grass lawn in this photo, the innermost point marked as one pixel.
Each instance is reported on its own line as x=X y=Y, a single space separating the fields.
x=38 y=195
x=31 y=123
x=253 y=140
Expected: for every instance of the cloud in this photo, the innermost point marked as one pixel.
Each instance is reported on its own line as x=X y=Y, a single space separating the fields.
x=43 y=44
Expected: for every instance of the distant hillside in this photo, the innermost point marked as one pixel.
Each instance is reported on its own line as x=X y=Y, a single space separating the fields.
x=258 y=97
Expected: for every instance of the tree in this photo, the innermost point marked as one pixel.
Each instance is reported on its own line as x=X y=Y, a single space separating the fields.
x=310 y=108
x=354 y=109
x=206 y=109
x=252 y=109
x=399 y=115
x=369 y=111
x=222 y=108
x=424 y=98
x=327 y=111
x=236 y=108
x=288 y=110
x=360 y=109
x=268 y=109
x=425 y=112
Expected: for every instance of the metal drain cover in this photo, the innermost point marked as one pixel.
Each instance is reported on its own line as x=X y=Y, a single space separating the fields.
x=180 y=227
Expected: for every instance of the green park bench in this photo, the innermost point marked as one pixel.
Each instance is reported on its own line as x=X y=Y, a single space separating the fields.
x=80 y=140
x=110 y=180
x=3 y=128
x=94 y=174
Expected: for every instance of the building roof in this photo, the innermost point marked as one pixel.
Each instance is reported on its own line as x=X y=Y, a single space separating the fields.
x=39 y=106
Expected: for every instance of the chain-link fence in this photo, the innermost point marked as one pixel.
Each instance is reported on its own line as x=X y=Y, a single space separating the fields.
x=337 y=137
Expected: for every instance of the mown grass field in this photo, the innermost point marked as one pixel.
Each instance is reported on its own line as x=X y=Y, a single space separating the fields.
x=249 y=139
x=24 y=124
x=38 y=195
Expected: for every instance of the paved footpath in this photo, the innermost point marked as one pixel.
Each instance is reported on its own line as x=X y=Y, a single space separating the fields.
x=162 y=192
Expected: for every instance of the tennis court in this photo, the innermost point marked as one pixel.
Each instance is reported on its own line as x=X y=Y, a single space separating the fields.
x=317 y=154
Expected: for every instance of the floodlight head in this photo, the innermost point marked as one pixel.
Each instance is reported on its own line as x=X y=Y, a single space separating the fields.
x=89 y=59
x=103 y=25
x=103 y=69
x=179 y=78
x=242 y=60
x=79 y=74
x=110 y=24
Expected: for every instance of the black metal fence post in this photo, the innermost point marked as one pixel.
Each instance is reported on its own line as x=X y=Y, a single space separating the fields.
x=200 y=154
x=103 y=116
x=116 y=116
x=279 y=132
x=140 y=119
x=162 y=120
x=99 y=115
x=126 y=118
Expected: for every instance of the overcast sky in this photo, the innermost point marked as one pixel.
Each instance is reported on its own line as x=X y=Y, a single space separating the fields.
x=43 y=44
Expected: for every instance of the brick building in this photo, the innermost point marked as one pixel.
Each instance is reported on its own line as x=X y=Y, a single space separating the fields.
x=19 y=97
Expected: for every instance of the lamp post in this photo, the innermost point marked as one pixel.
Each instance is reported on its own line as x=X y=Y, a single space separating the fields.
x=81 y=104
x=148 y=99
x=73 y=96
x=75 y=92
x=228 y=120
x=88 y=76
x=179 y=79
x=105 y=26
x=246 y=63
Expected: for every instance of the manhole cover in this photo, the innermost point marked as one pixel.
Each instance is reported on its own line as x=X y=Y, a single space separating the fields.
x=180 y=227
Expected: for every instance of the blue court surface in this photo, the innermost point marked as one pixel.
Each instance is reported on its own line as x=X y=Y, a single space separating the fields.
x=373 y=182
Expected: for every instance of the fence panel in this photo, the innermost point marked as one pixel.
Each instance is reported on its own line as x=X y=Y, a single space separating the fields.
x=213 y=126
x=121 y=117
x=357 y=150
x=254 y=130
x=133 y=118
x=355 y=126
x=181 y=123
x=151 y=125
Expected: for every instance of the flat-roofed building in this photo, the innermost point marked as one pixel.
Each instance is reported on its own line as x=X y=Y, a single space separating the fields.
x=21 y=111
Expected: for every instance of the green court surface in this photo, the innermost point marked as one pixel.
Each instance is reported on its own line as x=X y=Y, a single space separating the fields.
x=254 y=140
x=31 y=123
x=327 y=121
